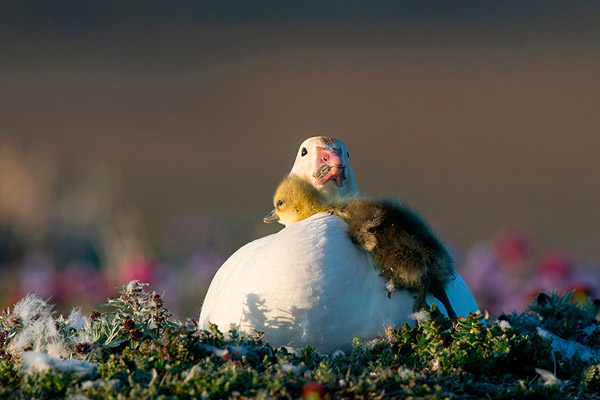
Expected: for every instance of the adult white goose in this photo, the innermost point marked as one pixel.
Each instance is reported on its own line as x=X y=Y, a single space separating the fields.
x=308 y=284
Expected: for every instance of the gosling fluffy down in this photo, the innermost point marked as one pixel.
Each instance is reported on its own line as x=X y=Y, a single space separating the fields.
x=404 y=248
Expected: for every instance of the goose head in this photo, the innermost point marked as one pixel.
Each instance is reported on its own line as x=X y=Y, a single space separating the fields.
x=295 y=200
x=324 y=163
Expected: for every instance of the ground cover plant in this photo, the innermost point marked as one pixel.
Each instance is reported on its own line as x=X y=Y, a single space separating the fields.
x=133 y=349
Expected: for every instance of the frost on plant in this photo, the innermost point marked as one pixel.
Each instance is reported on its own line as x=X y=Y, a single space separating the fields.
x=419 y=316
x=504 y=325
x=32 y=308
x=32 y=327
x=38 y=331
x=76 y=319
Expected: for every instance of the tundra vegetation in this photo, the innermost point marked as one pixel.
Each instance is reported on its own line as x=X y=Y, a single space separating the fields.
x=134 y=349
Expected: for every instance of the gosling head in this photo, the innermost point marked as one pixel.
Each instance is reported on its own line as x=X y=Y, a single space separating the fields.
x=295 y=200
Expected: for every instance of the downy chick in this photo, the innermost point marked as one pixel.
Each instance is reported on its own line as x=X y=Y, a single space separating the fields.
x=401 y=243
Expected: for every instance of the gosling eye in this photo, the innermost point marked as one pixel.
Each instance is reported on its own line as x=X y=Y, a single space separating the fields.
x=280 y=203
x=303 y=152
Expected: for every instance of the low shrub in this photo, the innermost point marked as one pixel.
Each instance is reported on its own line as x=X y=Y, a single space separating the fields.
x=134 y=350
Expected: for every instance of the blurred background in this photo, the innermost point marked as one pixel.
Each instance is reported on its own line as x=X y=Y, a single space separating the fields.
x=145 y=139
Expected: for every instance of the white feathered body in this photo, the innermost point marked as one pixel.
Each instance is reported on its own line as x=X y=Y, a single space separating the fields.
x=310 y=285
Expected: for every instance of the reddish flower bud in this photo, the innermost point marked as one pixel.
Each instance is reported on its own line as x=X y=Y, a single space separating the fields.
x=83 y=348
x=135 y=334
x=129 y=324
x=94 y=315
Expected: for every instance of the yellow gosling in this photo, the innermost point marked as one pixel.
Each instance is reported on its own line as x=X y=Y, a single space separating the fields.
x=405 y=250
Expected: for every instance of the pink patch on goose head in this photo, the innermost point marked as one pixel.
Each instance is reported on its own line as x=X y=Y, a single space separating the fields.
x=331 y=166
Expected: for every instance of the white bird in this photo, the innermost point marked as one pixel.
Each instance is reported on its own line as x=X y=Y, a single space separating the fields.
x=309 y=284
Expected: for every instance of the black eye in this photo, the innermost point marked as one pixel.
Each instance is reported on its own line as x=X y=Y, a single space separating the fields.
x=280 y=203
x=303 y=152
x=348 y=154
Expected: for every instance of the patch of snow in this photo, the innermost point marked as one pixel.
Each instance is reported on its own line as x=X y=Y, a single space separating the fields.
x=568 y=348
x=35 y=361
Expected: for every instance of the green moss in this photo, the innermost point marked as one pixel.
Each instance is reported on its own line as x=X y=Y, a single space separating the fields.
x=9 y=375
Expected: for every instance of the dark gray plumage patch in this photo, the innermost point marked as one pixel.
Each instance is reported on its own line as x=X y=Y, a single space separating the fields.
x=403 y=246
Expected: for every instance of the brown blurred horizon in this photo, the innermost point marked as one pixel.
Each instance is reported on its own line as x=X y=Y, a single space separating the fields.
x=483 y=120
